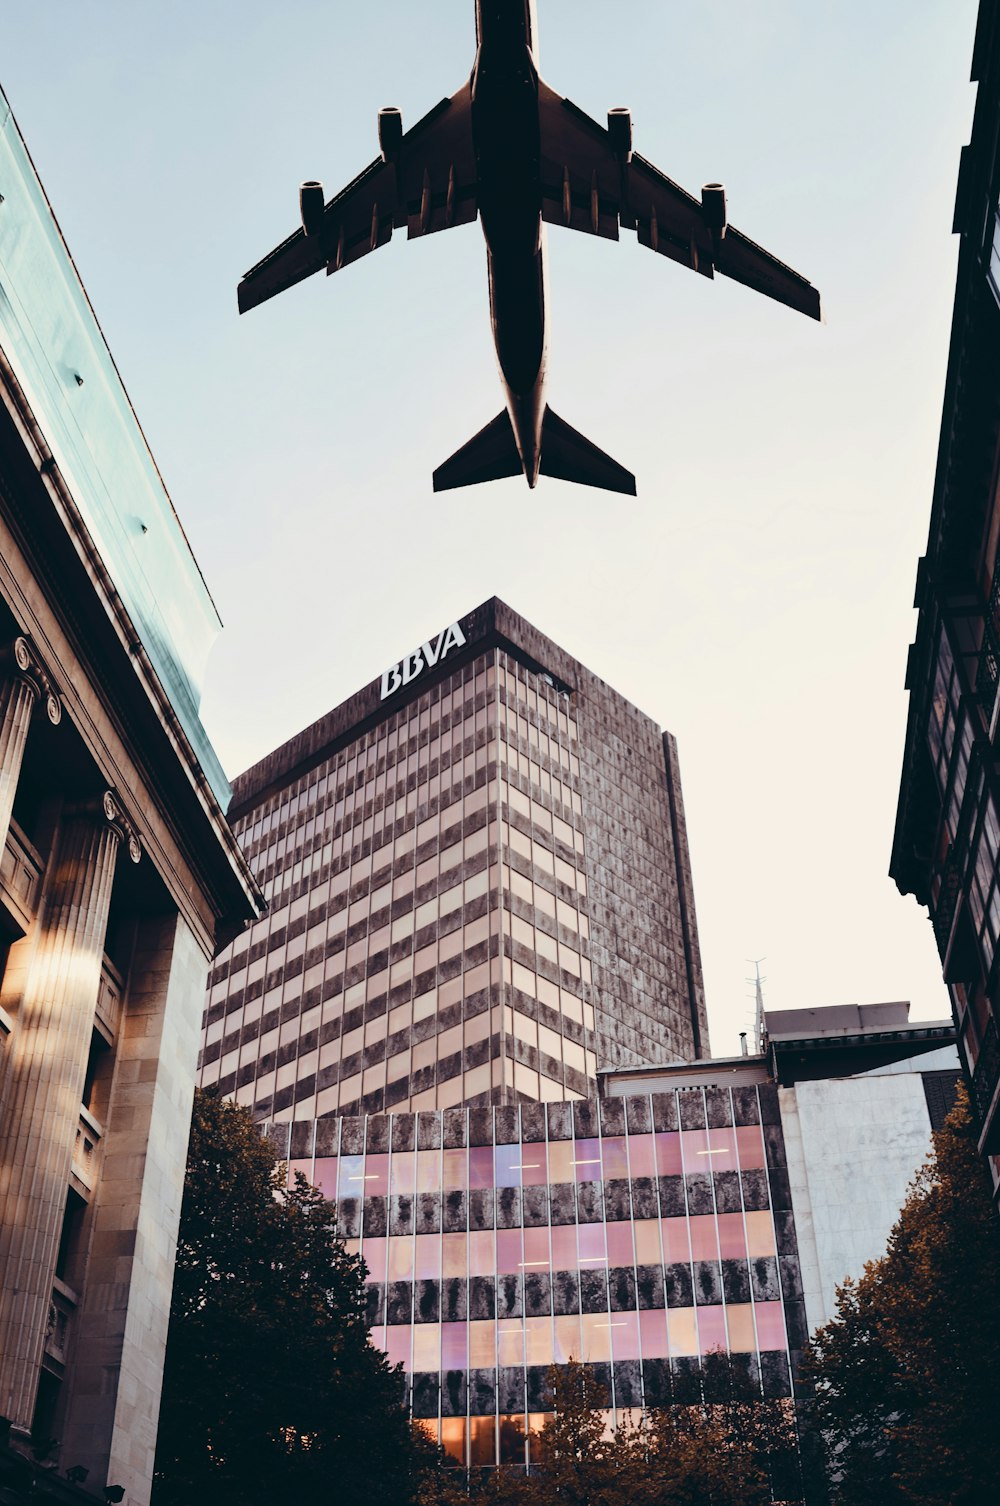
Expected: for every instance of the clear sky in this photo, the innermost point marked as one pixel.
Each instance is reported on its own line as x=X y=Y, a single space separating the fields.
x=755 y=598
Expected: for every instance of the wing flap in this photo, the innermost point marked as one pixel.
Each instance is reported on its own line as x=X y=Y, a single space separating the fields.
x=581 y=181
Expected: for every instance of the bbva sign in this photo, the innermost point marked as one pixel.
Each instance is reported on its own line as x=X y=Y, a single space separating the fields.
x=424 y=657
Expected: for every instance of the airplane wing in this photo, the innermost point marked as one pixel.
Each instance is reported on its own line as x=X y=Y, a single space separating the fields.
x=587 y=186
x=428 y=183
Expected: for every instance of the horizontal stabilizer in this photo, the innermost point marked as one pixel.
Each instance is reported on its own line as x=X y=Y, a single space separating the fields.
x=490 y=456
x=567 y=456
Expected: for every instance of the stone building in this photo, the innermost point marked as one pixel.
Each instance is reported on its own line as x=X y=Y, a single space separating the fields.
x=479 y=889
x=946 y=846
x=119 y=877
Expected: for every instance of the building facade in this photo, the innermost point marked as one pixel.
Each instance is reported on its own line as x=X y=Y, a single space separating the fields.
x=479 y=889
x=946 y=848
x=119 y=877
x=474 y=1018
x=683 y=1209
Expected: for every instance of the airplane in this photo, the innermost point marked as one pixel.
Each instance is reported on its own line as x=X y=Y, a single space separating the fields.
x=513 y=152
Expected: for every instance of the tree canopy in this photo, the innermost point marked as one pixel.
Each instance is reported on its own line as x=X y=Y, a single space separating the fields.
x=271 y=1389
x=720 y=1444
x=907 y=1374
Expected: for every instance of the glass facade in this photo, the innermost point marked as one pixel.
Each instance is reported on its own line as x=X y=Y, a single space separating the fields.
x=428 y=942
x=637 y=1234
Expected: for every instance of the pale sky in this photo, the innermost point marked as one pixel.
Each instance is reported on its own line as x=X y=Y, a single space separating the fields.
x=756 y=598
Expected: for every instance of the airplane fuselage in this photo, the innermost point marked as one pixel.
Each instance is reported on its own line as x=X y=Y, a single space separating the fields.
x=505 y=132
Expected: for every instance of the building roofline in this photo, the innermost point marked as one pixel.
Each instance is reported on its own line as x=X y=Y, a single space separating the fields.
x=492 y=624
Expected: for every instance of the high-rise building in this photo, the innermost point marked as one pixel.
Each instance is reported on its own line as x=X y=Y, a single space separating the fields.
x=946 y=848
x=479 y=888
x=119 y=877
x=474 y=1018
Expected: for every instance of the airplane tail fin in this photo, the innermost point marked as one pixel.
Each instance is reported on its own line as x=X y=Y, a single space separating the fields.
x=489 y=456
x=567 y=456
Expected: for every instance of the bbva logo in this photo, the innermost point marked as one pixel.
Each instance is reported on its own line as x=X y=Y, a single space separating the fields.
x=424 y=657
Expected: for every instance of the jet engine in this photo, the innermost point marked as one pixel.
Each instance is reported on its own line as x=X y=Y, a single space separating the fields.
x=390 y=132
x=311 y=206
x=713 y=206
x=620 y=131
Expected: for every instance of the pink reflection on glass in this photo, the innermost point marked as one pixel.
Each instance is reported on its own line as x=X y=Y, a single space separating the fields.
x=770 y=1325
x=376 y=1176
x=481 y=1253
x=642 y=1155
x=668 y=1154
x=306 y=1169
x=480 y=1166
x=454 y=1346
x=704 y=1243
x=427 y=1259
x=676 y=1246
x=534 y=1168
x=625 y=1336
x=509 y=1254
x=732 y=1236
x=403 y=1171
x=587 y=1160
x=374 y=1252
x=694 y=1151
x=621 y=1250
x=564 y=1247
x=593 y=1249
x=614 y=1160
x=397 y=1344
x=750 y=1145
x=455 y=1169
x=711 y=1329
x=536 y=1249
x=721 y=1149
x=653 y=1334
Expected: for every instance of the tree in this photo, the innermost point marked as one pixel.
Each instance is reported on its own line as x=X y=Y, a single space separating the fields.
x=907 y=1374
x=271 y=1389
x=720 y=1444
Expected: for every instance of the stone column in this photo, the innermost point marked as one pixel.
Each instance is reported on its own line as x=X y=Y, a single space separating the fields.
x=113 y=1382
x=21 y=688
x=50 y=1048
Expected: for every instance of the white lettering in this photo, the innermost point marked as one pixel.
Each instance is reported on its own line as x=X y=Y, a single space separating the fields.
x=424 y=657
x=391 y=681
x=412 y=665
x=453 y=637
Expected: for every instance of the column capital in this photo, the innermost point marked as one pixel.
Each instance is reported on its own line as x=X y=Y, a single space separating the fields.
x=23 y=662
x=120 y=823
